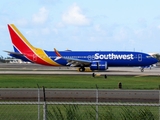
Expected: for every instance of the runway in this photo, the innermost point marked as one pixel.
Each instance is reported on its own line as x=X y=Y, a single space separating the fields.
x=67 y=95
x=39 y=69
x=80 y=95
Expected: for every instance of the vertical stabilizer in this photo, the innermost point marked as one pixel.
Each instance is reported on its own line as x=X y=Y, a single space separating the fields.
x=23 y=47
x=20 y=43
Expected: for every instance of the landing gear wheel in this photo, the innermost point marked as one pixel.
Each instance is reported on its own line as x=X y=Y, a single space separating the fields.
x=142 y=69
x=81 y=69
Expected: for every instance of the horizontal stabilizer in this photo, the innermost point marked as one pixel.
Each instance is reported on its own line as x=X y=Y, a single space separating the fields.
x=14 y=53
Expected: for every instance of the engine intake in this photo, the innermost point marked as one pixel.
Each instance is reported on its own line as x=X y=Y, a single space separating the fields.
x=99 y=65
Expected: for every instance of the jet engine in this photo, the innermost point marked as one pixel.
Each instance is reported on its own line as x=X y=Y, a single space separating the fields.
x=99 y=65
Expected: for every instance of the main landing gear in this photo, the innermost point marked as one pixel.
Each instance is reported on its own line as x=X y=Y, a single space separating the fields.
x=82 y=69
x=142 y=69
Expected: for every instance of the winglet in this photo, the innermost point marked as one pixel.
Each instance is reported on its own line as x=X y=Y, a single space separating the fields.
x=57 y=53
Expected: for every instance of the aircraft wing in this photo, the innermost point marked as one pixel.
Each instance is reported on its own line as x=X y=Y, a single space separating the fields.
x=14 y=53
x=72 y=61
x=77 y=62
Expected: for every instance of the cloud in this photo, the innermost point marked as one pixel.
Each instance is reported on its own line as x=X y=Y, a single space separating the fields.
x=21 y=22
x=45 y=31
x=121 y=34
x=74 y=16
x=158 y=26
x=142 y=22
x=41 y=16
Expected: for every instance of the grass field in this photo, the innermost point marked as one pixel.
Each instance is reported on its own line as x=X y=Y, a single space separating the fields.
x=78 y=112
x=79 y=81
x=60 y=112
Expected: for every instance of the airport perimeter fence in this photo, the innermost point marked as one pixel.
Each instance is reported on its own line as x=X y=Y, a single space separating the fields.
x=46 y=110
x=78 y=111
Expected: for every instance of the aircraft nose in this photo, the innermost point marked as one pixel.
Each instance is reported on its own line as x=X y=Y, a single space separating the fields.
x=154 y=60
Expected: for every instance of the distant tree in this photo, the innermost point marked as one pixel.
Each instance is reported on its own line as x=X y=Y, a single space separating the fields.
x=5 y=60
x=2 y=60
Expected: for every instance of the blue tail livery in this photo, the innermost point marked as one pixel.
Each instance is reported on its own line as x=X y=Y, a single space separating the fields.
x=95 y=60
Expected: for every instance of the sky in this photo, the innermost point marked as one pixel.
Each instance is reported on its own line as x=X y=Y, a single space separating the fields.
x=83 y=25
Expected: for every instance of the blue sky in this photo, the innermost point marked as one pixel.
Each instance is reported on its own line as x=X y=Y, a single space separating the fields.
x=108 y=25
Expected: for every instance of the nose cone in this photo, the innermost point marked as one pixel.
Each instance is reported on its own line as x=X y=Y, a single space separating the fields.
x=154 y=60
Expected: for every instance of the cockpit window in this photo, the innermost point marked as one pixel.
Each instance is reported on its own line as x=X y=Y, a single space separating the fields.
x=149 y=56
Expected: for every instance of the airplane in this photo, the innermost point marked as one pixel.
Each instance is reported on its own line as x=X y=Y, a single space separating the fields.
x=95 y=60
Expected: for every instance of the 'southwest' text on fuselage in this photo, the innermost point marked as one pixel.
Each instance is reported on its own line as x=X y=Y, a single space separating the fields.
x=114 y=56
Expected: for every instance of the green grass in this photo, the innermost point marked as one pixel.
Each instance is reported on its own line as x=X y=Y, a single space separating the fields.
x=78 y=112
x=19 y=112
x=79 y=81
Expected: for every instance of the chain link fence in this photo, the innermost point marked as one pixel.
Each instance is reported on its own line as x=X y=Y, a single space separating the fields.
x=78 y=111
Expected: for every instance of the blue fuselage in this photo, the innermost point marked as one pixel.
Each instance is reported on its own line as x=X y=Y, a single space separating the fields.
x=113 y=58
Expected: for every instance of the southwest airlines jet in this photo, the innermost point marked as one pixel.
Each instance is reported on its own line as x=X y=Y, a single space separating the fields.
x=95 y=60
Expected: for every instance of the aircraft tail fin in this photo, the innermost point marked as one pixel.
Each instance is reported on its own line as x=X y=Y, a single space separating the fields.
x=24 y=50
x=20 y=43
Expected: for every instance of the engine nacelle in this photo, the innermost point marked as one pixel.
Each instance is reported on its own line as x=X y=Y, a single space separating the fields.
x=100 y=65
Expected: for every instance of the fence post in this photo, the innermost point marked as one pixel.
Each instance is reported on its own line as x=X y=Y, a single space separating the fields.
x=96 y=102
x=44 y=106
x=159 y=102
x=38 y=102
